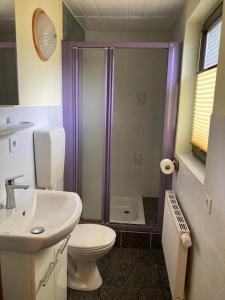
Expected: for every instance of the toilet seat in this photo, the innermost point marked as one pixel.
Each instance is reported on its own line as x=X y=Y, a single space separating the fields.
x=87 y=237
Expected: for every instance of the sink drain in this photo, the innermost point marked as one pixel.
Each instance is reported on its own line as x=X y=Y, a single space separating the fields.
x=37 y=230
x=126 y=211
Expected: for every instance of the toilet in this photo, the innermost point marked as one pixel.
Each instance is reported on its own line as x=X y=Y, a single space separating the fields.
x=88 y=242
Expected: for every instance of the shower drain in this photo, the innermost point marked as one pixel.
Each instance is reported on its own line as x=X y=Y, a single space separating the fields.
x=37 y=230
x=126 y=211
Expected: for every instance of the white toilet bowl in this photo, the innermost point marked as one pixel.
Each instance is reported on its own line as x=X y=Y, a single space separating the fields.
x=88 y=243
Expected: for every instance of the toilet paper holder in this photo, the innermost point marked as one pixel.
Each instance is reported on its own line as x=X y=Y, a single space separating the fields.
x=168 y=166
x=176 y=164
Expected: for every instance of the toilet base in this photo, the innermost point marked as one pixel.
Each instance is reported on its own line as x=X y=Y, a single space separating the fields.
x=83 y=275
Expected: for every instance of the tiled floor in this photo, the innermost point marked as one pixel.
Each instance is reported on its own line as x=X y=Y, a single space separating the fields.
x=130 y=273
x=150 y=210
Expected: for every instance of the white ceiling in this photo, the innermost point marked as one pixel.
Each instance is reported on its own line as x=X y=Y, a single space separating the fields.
x=126 y=15
x=7 y=9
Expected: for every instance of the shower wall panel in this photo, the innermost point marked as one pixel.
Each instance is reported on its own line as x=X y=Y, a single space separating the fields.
x=138 y=118
x=91 y=99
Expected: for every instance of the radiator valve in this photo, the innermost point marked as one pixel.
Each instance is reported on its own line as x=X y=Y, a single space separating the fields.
x=186 y=240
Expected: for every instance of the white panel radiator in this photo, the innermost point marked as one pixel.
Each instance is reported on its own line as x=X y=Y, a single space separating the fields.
x=176 y=241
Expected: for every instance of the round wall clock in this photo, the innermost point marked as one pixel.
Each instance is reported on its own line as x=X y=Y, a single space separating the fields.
x=44 y=34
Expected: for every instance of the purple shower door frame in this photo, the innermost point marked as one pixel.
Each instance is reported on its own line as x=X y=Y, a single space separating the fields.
x=71 y=118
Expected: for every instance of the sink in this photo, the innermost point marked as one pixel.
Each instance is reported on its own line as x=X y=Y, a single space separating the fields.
x=57 y=212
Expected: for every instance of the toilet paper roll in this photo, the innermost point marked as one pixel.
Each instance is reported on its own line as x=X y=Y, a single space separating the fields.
x=167 y=166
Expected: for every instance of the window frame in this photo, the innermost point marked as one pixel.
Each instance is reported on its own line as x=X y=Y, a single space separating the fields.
x=212 y=19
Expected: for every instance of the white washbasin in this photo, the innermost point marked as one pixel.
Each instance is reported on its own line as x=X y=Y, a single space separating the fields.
x=57 y=212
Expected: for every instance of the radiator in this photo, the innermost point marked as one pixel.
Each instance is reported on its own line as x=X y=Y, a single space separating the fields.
x=176 y=241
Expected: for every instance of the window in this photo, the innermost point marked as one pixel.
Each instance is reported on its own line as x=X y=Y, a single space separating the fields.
x=212 y=45
x=205 y=83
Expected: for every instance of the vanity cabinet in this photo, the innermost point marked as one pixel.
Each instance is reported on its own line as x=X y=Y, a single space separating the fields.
x=44 y=263
x=38 y=276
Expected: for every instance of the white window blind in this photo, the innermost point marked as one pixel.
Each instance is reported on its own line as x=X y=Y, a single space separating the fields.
x=212 y=45
x=204 y=98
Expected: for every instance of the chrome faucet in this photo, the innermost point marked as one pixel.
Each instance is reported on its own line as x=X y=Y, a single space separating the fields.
x=10 y=188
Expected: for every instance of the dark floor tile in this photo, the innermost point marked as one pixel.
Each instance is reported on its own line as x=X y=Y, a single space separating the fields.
x=151 y=257
x=150 y=217
x=111 y=266
x=151 y=203
x=150 y=210
x=149 y=294
x=135 y=240
x=140 y=276
x=129 y=273
x=110 y=293
x=163 y=277
x=102 y=266
x=118 y=239
x=78 y=295
x=113 y=276
x=156 y=241
x=120 y=256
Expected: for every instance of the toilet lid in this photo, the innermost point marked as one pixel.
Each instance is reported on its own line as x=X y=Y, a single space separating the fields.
x=88 y=236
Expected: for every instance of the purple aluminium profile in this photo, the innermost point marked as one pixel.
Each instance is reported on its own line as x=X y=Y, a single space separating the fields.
x=109 y=85
x=70 y=116
x=77 y=125
x=122 y=45
x=105 y=162
x=170 y=118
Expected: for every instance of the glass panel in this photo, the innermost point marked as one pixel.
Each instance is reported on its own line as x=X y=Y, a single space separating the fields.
x=91 y=101
x=212 y=45
x=137 y=133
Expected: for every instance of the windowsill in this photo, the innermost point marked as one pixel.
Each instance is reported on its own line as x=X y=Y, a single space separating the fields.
x=194 y=165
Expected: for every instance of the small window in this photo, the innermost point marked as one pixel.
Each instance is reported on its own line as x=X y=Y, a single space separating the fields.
x=212 y=45
x=205 y=83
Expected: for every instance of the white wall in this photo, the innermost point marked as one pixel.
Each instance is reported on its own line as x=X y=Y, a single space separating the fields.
x=39 y=82
x=138 y=118
x=206 y=260
x=22 y=160
x=194 y=182
x=179 y=27
x=104 y=36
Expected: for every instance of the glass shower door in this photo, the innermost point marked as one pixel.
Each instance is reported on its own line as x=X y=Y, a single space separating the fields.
x=117 y=99
x=137 y=134
x=91 y=101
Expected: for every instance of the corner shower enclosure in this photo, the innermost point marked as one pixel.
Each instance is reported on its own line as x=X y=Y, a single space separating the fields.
x=120 y=107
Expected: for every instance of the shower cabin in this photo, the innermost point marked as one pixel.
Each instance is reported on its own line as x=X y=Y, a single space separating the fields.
x=120 y=107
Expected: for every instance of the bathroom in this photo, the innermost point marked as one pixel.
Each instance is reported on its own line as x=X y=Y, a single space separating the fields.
x=123 y=79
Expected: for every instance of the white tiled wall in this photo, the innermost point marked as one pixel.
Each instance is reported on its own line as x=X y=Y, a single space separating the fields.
x=138 y=118
x=21 y=161
x=206 y=262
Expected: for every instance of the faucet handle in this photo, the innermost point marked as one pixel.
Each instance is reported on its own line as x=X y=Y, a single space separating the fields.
x=11 y=180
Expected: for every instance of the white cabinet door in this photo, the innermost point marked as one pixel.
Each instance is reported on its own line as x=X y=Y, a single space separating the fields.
x=46 y=292
x=44 y=267
x=61 y=272
x=61 y=278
